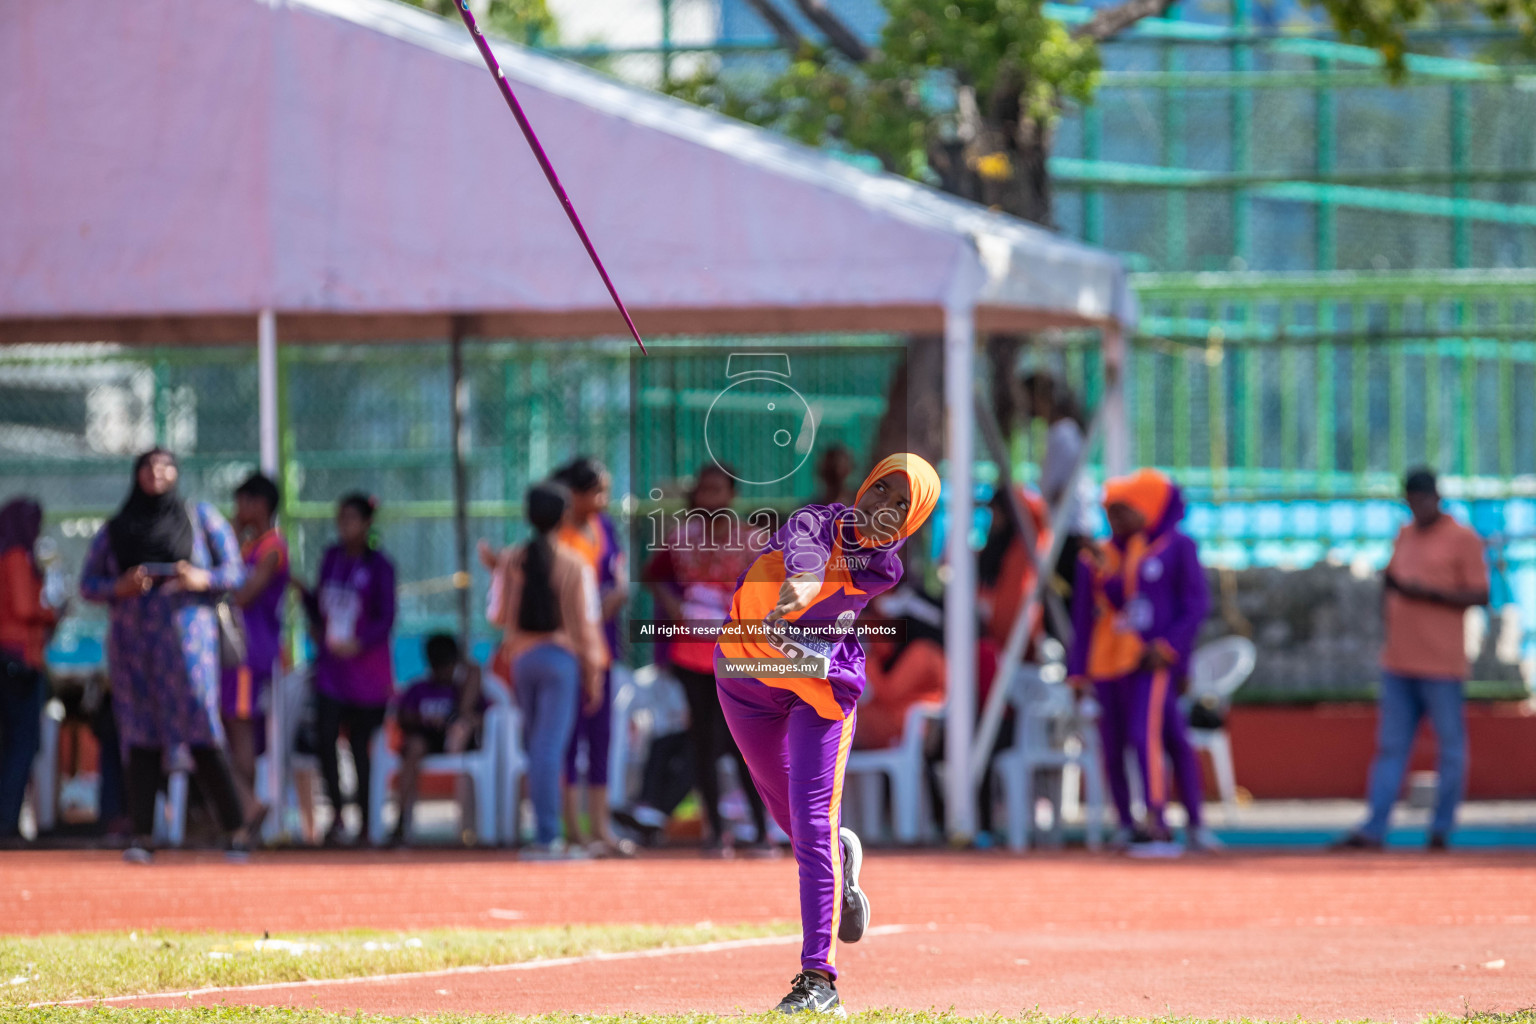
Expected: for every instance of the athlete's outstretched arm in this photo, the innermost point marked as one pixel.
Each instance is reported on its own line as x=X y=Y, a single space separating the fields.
x=796 y=595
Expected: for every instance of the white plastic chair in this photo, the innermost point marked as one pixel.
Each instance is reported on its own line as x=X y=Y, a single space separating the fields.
x=903 y=765
x=171 y=804
x=632 y=692
x=288 y=701
x=513 y=762
x=45 y=769
x=1042 y=712
x=1215 y=673
x=647 y=703
x=483 y=766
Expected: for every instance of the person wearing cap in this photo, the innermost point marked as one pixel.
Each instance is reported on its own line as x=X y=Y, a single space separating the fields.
x=1137 y=606
x=794 y=609
x=1436 y=573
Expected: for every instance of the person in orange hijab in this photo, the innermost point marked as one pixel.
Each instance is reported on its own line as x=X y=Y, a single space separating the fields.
x=1137 y=609
x=789 y=669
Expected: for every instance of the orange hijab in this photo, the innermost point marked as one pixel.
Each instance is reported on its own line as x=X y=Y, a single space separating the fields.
x=922 y=481
x=1115 y=649
x=1146 y=491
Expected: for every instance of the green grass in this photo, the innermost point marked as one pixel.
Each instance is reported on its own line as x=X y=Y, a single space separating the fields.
x=57 y=967
x=264 y=1015
x=1367 y=692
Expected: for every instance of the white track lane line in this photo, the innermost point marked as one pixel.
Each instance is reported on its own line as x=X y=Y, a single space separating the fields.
x=526 y=965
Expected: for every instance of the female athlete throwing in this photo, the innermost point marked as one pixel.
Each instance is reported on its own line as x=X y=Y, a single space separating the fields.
x=790 y=669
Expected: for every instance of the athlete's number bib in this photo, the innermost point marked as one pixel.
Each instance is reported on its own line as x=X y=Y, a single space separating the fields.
x=342 y=608
x=801 y=645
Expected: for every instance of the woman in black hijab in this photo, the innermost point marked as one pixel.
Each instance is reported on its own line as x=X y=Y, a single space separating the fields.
x=160 y=565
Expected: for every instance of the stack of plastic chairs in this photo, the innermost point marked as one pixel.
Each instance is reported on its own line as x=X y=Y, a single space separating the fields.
x=1055 y=731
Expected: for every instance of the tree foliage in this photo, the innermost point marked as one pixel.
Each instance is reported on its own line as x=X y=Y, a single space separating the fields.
x=966 y=94
x=525 y=21
x=1383 y=25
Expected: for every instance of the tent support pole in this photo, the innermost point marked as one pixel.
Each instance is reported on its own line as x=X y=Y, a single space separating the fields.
x=1012 y=657
x=460 y=406
x=267 y=428
x=960 y=561
x=266 y=389
x=1117 y=433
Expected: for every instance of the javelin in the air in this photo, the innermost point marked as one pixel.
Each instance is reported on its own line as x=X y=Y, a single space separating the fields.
x=538 y=152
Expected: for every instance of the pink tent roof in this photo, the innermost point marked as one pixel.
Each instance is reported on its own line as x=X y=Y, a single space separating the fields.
x=172 y=168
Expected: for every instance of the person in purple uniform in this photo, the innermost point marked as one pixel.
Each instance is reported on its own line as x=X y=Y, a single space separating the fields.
x=243 y=694
x=439 y=714
x=1137 y=607
x=352 y=609
x=789 y=670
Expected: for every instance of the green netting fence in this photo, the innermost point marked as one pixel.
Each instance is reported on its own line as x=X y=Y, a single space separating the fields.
x=1288 y=417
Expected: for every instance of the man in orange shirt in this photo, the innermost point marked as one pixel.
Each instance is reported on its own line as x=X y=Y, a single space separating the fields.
x=1436 y=573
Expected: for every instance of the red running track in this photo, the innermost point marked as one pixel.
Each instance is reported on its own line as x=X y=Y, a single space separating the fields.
x=1382 y=936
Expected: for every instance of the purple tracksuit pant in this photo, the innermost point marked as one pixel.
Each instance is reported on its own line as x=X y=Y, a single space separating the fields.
x=797 y=759
x=595 y=733
x=1142 y=711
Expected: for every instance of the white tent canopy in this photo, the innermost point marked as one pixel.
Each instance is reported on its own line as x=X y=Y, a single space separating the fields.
x=345 y=168
x=352 y=157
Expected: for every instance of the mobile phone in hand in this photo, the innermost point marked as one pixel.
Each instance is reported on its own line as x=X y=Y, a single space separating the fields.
x=160 y=569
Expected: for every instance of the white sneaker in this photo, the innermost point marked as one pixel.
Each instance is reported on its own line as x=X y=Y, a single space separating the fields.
x=855 y=916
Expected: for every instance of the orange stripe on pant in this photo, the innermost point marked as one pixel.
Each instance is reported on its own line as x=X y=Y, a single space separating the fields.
x=835 y=816
x=1157 y=781
x=243 y=688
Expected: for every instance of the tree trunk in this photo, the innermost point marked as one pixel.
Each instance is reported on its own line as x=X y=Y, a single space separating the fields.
x=1027 y=192
x=999 y=158
x=1012 y=148
x=1002 y=359
x=914 y=416
x=948 y=159
x=1005 y=170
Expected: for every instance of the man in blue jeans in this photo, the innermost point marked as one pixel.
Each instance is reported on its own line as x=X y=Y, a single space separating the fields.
x=1436 y=573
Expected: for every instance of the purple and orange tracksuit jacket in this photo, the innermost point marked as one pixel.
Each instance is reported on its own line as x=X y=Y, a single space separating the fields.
x=1133 y=595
